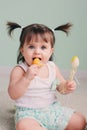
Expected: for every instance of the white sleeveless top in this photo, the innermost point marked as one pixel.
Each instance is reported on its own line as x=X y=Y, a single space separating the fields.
x=39 y=93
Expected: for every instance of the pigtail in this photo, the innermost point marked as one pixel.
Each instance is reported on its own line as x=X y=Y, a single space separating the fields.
x=65 y=28
x=11 y=26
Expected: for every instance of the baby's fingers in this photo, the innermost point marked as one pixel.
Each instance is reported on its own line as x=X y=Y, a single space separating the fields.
x=32 y=72
x=34 y=69
x=71 y=85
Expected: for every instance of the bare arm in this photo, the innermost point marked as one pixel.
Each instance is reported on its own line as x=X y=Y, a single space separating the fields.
x=65 y=86
x=20 y=80
x=59 y=75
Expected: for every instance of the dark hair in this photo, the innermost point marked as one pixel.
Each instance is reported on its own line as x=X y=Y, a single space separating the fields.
x=33 y=30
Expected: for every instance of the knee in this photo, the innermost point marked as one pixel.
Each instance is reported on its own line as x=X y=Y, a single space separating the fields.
x=28 y=124
x=21 y=125
x=77 y=122
x=81 y=122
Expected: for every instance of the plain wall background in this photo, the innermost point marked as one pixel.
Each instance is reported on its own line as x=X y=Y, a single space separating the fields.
x=51 y=13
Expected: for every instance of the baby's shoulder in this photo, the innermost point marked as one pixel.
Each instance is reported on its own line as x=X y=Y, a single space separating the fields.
x=23 y=66
x=51 y=63
x=17 y=70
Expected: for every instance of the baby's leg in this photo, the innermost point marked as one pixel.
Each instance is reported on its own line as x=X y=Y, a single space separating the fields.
x=29 y=124
x=77 y=122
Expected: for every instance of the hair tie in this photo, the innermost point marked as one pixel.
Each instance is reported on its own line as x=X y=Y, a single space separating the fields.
x=53 y=30
x=22 y=27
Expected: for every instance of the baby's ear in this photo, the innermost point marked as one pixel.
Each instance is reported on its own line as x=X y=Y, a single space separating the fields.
x=52 y=50
x=21 y=50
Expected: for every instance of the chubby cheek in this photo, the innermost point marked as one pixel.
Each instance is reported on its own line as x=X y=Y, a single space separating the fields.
x=46 y=57
x=27 y=56
x=28 y=59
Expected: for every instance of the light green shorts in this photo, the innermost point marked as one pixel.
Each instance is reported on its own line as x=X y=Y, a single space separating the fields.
x=53 y=117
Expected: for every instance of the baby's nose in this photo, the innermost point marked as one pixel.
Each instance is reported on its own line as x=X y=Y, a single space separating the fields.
x=37 y=50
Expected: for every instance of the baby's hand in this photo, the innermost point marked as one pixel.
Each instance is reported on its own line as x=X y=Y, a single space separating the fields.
x=31 y=72
x=70 y=86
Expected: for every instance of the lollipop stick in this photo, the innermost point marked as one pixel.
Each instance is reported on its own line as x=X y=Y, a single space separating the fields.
x=72 y=73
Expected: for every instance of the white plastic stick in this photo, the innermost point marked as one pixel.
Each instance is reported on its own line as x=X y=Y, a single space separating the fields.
x=75 y=64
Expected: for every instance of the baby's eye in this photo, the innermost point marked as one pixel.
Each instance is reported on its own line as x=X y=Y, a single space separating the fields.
x=43 y=47
x=31 y=47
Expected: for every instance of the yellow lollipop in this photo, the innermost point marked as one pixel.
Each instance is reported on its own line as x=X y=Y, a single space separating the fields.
x=37 y=62
x=75 y=64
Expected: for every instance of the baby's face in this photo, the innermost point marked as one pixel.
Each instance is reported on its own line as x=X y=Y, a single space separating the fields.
x=37 y=49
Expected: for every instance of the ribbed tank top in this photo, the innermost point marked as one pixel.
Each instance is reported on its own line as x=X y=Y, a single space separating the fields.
x=39 y=93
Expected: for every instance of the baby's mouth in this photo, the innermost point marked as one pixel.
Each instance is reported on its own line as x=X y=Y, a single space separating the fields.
x=37 y=61
x=36 y=58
